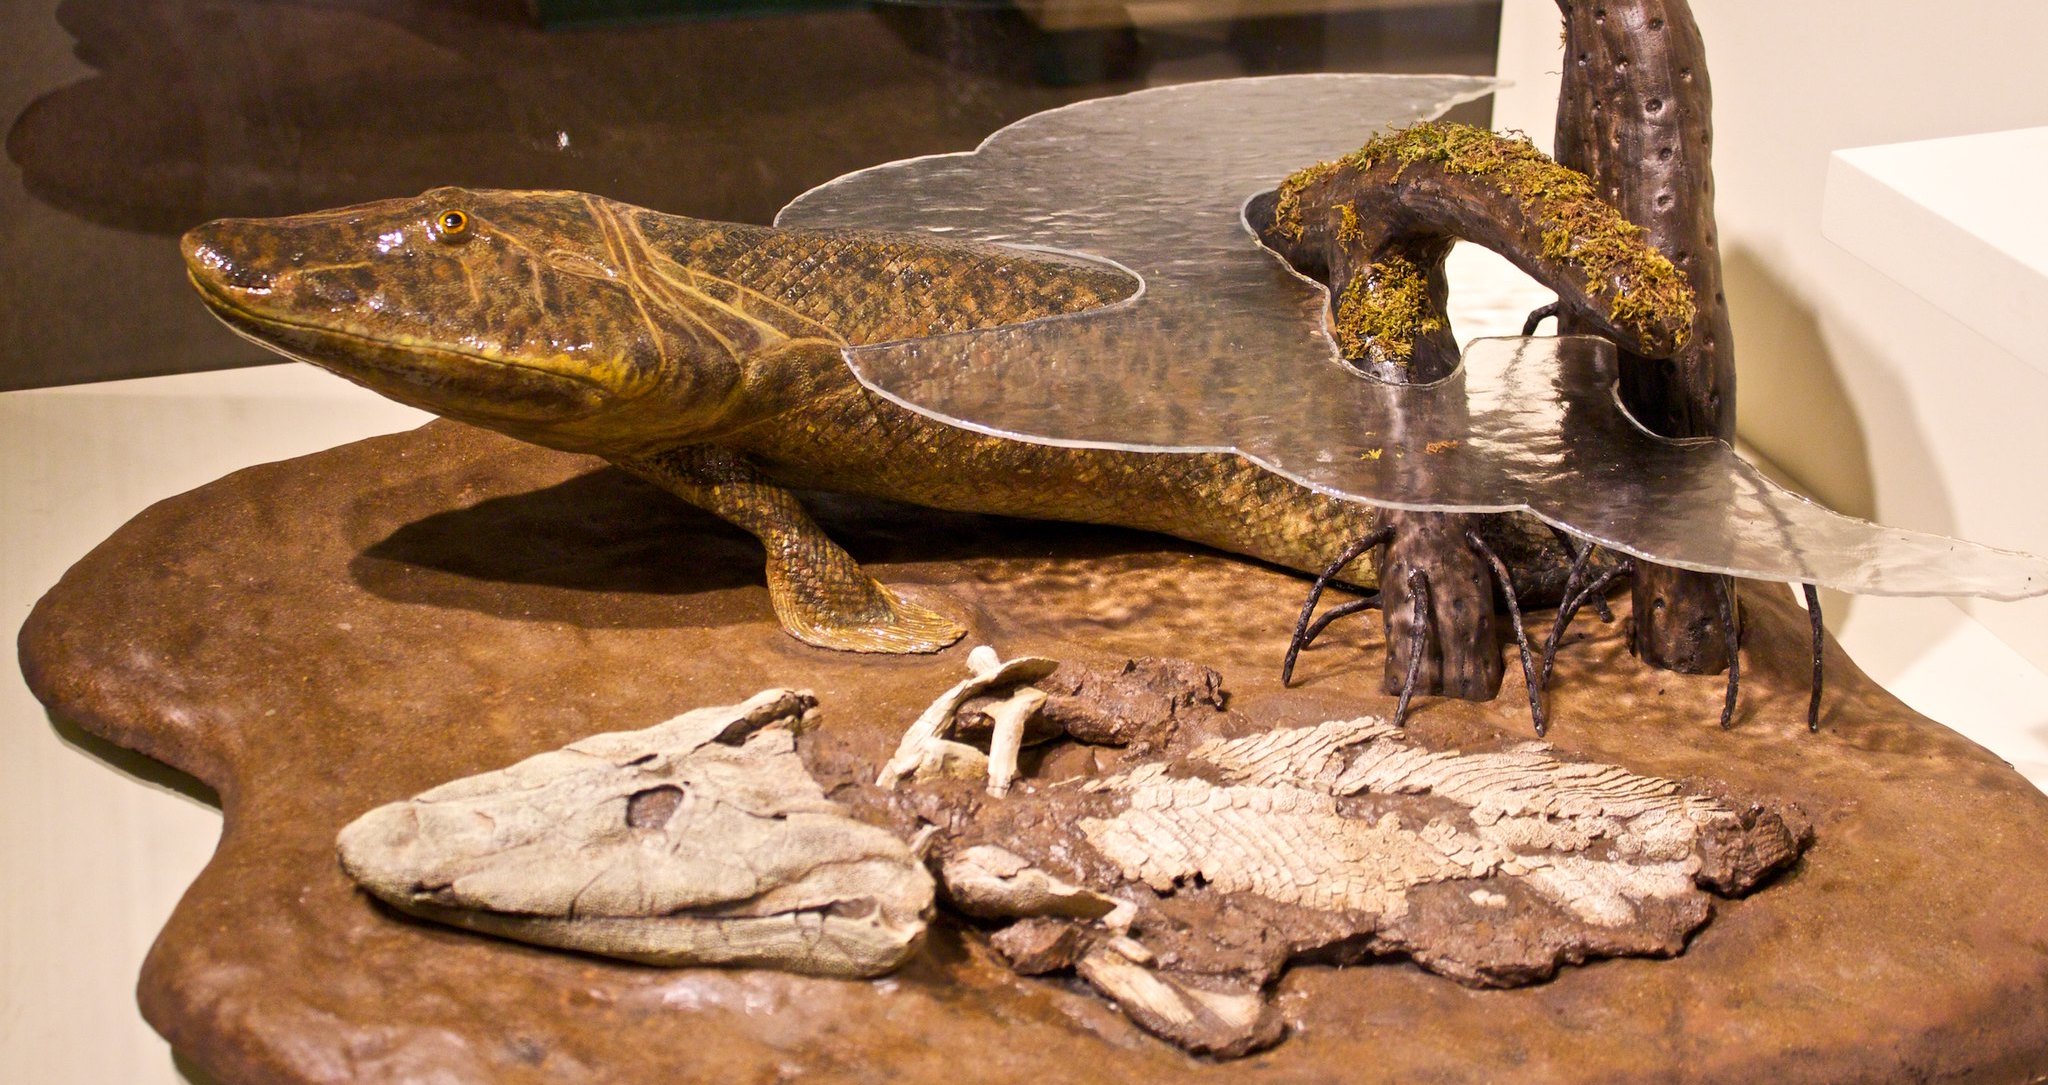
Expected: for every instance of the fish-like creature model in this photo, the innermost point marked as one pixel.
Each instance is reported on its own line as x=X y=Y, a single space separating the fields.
x=707 y=359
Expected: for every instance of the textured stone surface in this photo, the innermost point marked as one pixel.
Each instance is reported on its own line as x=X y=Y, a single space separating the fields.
x=319 y=637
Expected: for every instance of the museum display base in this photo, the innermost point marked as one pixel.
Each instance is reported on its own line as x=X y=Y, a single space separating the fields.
x=317 y=637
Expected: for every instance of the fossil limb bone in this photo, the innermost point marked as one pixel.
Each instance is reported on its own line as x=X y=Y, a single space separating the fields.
x=1006 y=736
x=922 y=743
x=1224 y=1023
x=992 y=883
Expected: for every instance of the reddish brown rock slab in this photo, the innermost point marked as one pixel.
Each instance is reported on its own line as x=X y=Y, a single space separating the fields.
x=318 y=637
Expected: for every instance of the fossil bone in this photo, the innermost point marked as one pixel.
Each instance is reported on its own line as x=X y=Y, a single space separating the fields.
x=1225 y=1023
x=1006 y=736
x=1234 y=855
x=993 y=883
x=700 y=841
x=921 y=744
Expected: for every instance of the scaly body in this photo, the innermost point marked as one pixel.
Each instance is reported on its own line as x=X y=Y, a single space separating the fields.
x=707 y=358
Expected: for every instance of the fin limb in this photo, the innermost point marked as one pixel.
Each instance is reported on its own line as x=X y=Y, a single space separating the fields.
x=820 y=594
x=836 y=605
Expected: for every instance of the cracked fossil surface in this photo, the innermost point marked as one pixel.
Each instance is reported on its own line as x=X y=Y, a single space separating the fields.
x=702 y=840
x=1181 y=883
x=1179 y=876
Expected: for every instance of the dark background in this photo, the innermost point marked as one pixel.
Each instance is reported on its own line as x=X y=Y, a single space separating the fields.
x=129 y=121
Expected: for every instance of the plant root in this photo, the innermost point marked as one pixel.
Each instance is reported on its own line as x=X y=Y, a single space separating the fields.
x=1418 y=588
x=1507 y=584
x=1305 y=633
x=1729 y=609
x=1819 y=656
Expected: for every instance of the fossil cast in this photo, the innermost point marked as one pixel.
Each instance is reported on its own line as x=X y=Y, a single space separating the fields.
x=1187 y=864
x=701 y=840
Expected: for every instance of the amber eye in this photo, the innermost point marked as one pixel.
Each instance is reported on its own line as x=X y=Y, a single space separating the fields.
x=452 y=224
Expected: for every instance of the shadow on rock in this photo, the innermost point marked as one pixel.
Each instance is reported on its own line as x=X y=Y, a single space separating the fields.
x=137 y=766
x=605 y=550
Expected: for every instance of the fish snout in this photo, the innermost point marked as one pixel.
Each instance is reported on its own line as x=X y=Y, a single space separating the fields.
x=229 y=254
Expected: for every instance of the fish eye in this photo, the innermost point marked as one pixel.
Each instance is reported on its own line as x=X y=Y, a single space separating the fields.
x=451 y=224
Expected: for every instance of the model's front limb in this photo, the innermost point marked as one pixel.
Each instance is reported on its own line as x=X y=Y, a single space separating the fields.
x=820 y=594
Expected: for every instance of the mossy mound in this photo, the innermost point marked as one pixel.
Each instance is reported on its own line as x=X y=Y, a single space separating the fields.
x=1383 y=311
x=1642 y=288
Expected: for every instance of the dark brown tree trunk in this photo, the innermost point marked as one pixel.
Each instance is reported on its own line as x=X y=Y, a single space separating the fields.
x=1376 y=227
x=1635 y=115
x=1459 y=650
x=1460 y=647
x=1458 y=653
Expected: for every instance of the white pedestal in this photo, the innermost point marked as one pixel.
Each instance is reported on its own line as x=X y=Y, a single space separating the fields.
x=1962 y=222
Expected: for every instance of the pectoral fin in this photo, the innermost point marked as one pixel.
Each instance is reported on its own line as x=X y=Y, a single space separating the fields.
x=820 y=594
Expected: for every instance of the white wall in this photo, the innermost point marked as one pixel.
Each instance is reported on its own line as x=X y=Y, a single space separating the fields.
x=1874 y=400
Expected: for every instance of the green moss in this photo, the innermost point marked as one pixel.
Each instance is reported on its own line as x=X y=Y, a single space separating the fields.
x=1348 y=228
x=1384 y=309
x=1640 y=284
x=1287 y=210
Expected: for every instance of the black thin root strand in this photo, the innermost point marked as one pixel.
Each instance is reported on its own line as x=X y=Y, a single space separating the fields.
x=1819 y=650
x=1566 y=606
x=1571 y=607
x=1537 y=318
x=1564 y=538
x=1600 y=607
x=1734 y=634
x=1571 y=546
x=1500 y=570
x=1418 y=587
x=1370 y=602
x=1304 y=633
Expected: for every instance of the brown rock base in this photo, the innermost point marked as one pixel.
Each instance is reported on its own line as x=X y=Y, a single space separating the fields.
x=318 y=637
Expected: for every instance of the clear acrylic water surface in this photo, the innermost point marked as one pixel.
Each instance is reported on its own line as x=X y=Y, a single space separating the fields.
x=1226 y=349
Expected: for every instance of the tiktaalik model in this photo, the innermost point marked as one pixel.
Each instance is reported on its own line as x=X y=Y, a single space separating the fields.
x=707 y=358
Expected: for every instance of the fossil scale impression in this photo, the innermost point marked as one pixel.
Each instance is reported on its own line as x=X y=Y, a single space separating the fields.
x=1183 y=882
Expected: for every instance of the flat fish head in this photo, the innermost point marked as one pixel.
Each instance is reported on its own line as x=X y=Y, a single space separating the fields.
x=521 y=312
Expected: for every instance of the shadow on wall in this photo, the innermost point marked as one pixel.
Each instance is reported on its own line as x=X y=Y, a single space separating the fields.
x=1799 y=413
x=249 y=107
x=254 y=107
x=200 y=109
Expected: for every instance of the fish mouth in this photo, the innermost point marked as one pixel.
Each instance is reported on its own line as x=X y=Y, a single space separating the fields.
x=461 y=384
